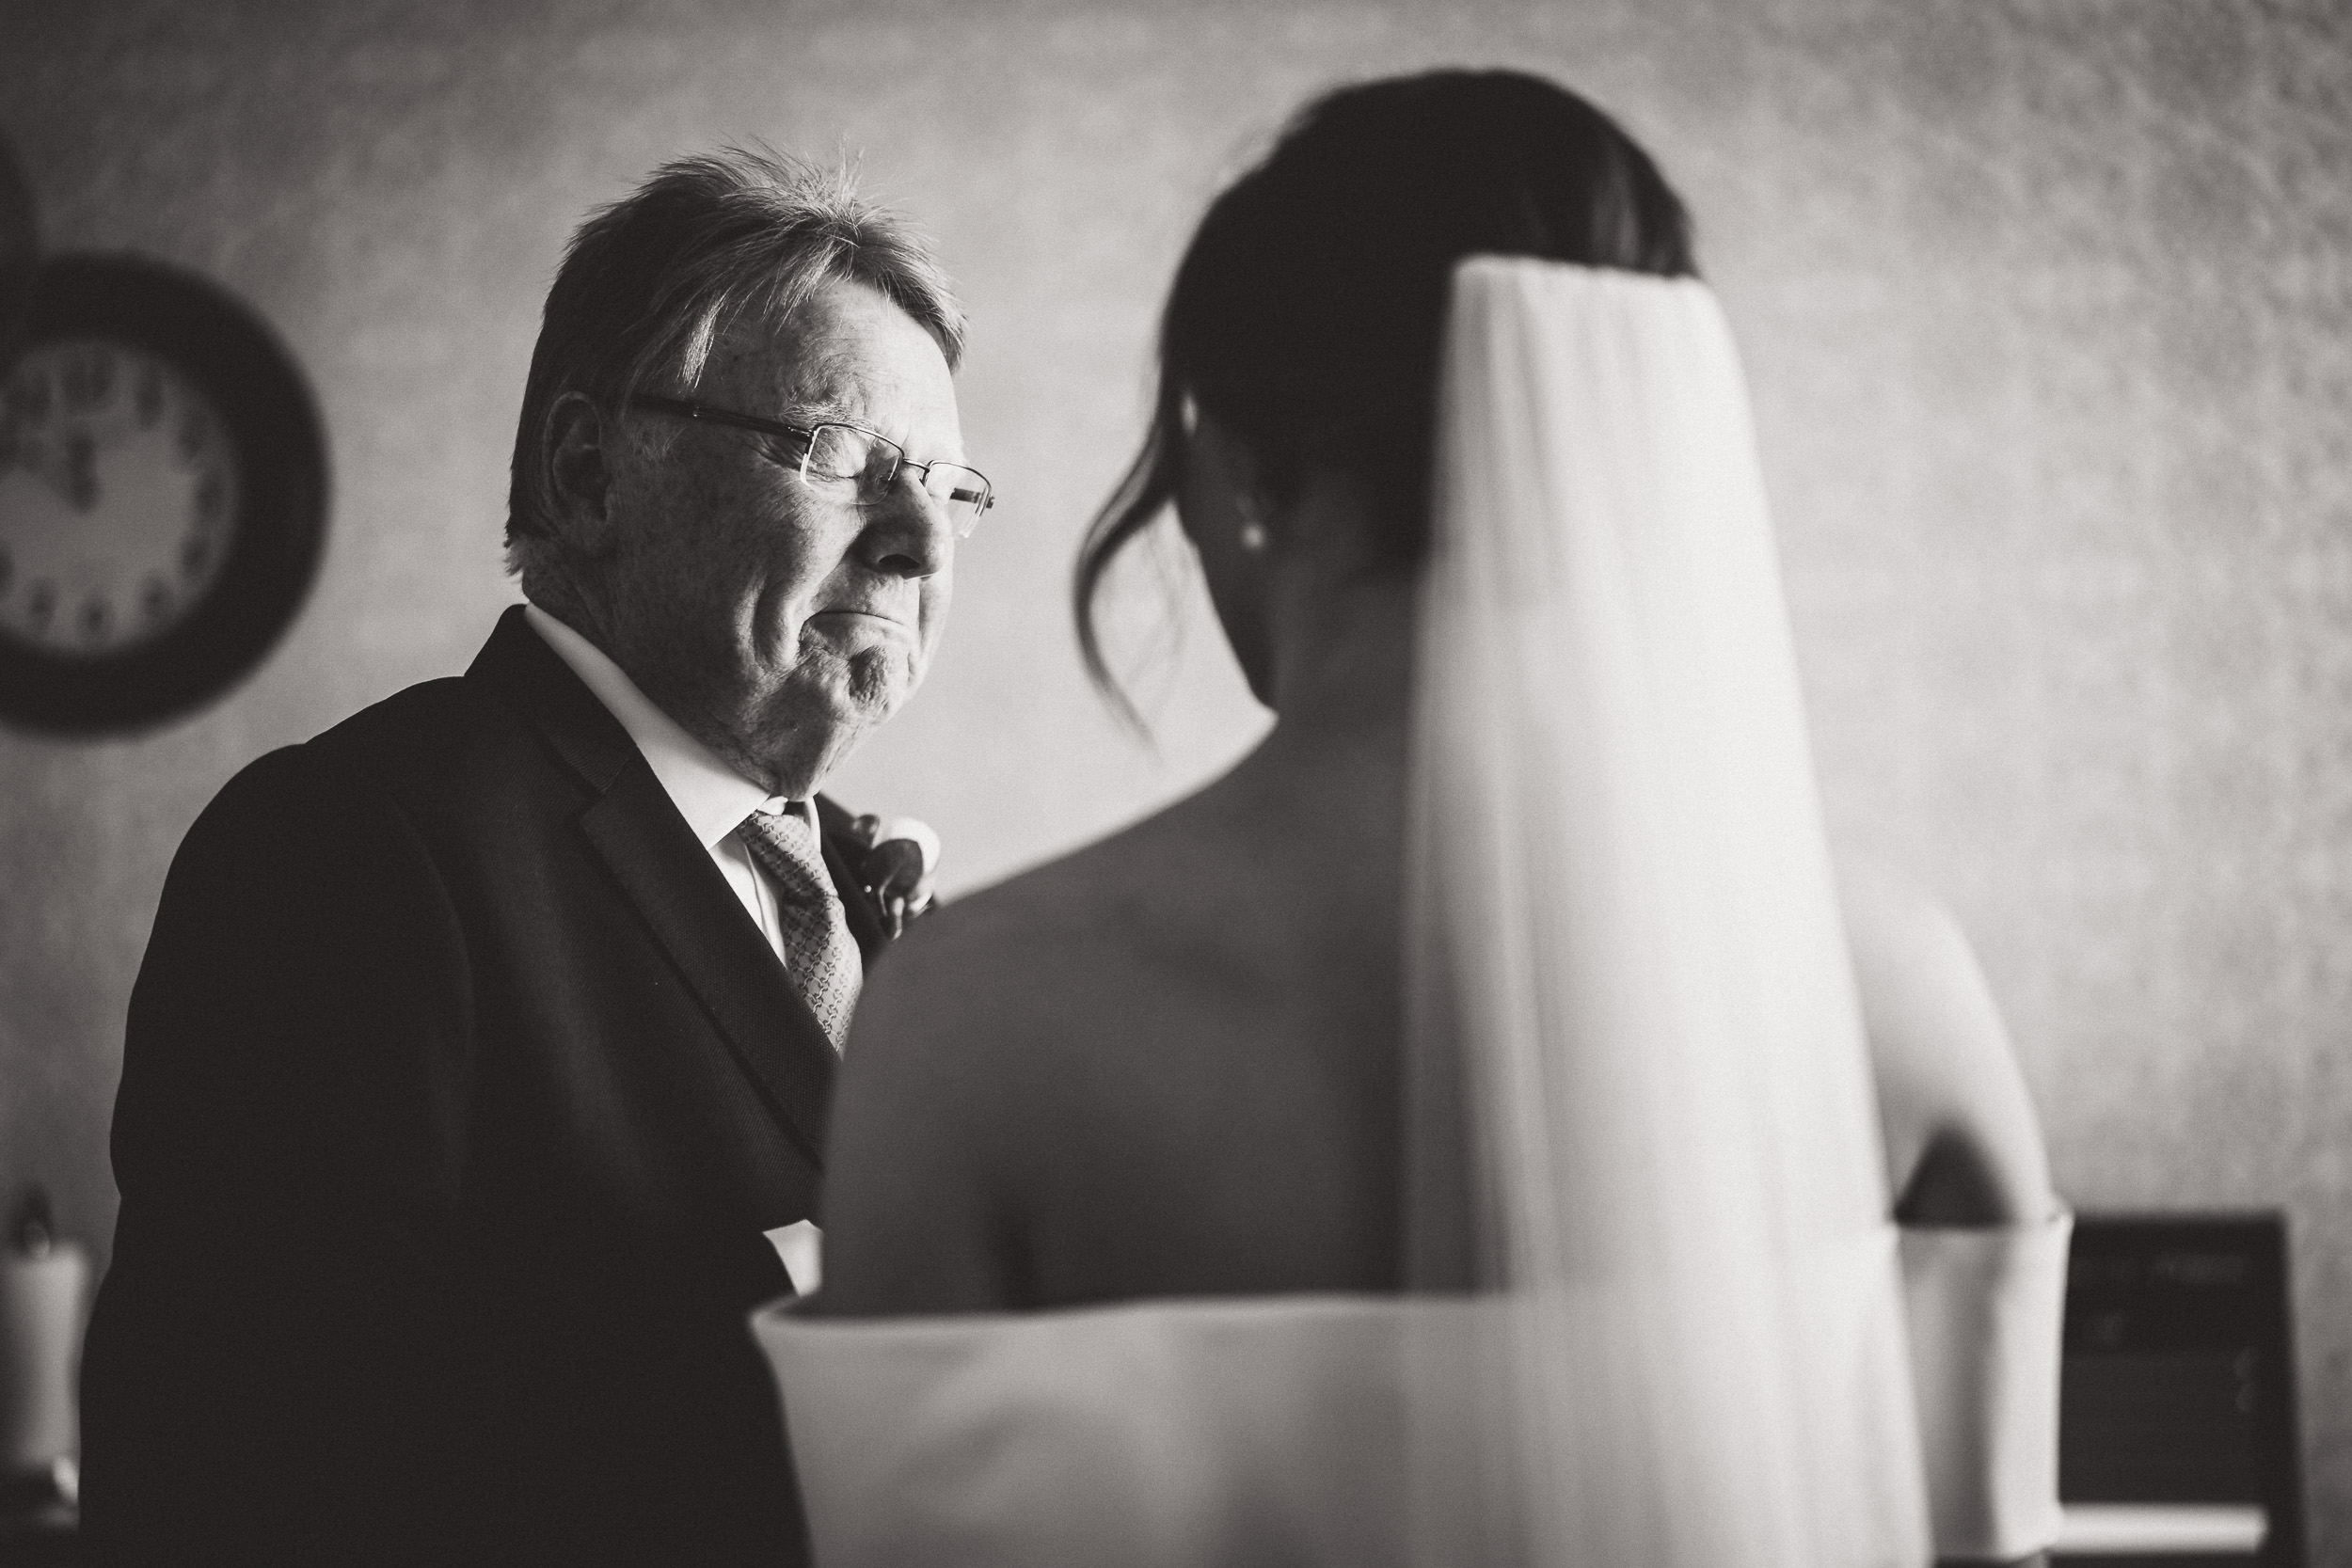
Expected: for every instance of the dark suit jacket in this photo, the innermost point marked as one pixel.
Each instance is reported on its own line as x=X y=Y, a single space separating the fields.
x=458 y=1092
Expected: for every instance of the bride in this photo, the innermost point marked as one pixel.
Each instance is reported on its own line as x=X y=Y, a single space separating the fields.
x=1451 y=1135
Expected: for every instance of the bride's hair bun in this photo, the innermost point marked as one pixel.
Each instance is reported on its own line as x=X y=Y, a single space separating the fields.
x=1307 y=311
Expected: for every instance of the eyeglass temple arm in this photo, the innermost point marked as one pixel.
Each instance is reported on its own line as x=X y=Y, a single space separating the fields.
x=704 y=414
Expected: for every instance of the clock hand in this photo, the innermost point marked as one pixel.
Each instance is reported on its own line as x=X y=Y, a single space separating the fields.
x=81 y=457
x=64 y=467
x=70 y=467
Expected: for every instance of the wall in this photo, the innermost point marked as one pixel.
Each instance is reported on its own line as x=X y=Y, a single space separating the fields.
x=2044 y=303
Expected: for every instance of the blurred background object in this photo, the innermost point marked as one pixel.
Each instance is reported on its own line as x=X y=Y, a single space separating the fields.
x=44 y=1292
x=20 y=251
x=2178 y=1442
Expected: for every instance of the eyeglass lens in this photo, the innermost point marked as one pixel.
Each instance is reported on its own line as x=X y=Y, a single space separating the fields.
x=842 y=453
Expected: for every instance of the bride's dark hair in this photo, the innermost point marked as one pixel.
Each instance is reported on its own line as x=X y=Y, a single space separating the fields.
x=1307 y=311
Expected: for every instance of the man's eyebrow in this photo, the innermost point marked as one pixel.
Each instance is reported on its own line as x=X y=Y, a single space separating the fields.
x=822 y=397
x=819 y=410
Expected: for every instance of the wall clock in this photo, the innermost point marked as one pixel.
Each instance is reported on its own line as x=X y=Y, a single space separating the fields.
x=163 y=497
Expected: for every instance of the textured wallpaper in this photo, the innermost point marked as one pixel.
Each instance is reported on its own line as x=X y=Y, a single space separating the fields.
x=2045 y=306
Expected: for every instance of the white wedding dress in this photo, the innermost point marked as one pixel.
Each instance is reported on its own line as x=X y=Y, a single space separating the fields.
x=1628 y=982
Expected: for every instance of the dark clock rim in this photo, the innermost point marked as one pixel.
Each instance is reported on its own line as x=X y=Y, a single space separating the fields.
x=226 y=349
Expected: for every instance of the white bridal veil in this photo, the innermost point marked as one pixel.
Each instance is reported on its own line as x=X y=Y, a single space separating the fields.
x=1627 y=978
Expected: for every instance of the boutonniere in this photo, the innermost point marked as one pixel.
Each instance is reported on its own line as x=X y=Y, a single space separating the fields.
x=895 y=869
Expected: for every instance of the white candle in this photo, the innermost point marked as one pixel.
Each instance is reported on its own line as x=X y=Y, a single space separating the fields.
x=40 y=1345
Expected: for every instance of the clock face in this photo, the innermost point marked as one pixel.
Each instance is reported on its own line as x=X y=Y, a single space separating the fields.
x=163 y=496
x=119 y=498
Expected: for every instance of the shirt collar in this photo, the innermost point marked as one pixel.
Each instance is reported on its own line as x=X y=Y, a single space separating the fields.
x=713 y=797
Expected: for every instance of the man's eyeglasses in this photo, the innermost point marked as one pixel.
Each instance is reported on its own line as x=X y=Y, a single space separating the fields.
x=846 y=454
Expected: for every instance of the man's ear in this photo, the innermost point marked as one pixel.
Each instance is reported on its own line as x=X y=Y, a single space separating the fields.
x=580 y=481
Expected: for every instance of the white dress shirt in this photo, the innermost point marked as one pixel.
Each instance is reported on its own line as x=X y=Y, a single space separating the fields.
x=713 y=797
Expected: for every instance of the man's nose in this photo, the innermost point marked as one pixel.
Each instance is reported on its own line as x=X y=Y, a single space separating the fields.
x=907 y=533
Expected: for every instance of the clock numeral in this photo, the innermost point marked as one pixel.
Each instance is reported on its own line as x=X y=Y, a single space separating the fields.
x=195 y=433
x=211 y=496
x=155 y=598
x=40 y=605
x=196 y=553
x=97 y=619
x=148 y=397
x=81 y=471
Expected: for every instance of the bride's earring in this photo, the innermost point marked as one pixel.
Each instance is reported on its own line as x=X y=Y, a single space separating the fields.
x=1254 y=534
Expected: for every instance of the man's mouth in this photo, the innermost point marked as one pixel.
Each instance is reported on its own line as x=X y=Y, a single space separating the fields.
x=844 y=618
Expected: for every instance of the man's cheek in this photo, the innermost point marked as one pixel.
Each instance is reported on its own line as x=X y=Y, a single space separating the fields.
x=933 y=613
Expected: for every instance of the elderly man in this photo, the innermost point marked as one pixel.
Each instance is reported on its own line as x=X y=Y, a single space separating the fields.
x=482 y=1039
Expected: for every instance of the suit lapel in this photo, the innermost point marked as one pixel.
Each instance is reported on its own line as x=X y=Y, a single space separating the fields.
x=669 y=878
x=724 y=959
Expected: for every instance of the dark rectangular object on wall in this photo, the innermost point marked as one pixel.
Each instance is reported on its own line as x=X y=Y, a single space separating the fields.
x=2177 y=1393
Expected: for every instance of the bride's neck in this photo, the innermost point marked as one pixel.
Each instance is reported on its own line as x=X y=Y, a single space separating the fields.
x=1342 y=652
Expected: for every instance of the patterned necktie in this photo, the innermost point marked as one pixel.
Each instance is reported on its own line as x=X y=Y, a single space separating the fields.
x=820 y=958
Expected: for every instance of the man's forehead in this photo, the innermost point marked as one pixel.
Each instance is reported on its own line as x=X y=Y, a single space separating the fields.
x=840 y=348
x=772 y=362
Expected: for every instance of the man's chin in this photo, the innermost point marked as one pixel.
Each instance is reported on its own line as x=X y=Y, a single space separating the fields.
x=858 y=689
x=878 y=680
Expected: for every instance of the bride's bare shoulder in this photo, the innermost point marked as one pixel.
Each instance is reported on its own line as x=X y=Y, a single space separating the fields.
x=955 y=1067
x=983 y=1038
x=1052 y=946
